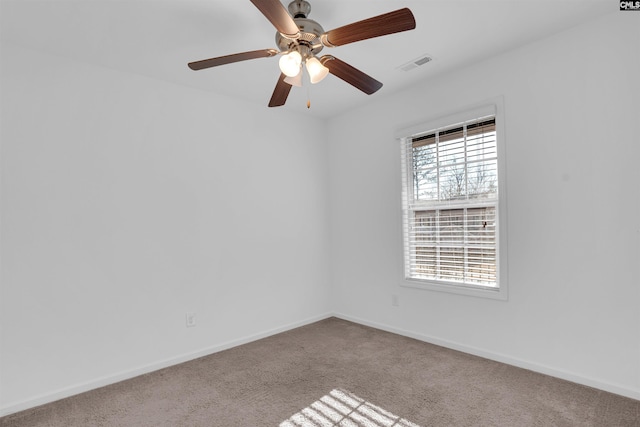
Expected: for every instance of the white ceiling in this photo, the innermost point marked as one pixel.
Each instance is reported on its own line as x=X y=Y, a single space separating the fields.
x=157 y=38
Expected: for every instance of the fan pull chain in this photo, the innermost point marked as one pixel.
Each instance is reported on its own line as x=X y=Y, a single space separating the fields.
x=308 y=93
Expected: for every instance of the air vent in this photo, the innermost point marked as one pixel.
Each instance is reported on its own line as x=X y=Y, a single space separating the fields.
x=415 y=63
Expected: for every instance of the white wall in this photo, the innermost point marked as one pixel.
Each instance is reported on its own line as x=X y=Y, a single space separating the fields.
x=128 y=202
x=572 y=115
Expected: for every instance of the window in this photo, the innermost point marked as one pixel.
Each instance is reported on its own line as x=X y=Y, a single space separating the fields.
x=451 y=205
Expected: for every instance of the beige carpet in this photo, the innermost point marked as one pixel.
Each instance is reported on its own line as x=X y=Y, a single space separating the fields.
x=337 y=373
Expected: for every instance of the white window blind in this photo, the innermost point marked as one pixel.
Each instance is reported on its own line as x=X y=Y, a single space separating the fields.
x=450 y=204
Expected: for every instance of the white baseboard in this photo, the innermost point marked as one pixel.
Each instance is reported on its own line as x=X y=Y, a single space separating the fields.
x=532 y=366
x=125 y=375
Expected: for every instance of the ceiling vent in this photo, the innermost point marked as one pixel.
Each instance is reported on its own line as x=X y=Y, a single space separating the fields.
x=415 y=63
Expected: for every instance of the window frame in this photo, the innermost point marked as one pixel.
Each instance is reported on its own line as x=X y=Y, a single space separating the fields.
x=493 y=107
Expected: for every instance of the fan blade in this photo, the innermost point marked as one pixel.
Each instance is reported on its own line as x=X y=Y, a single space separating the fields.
x=276 y=13
x=280 y=93
x=351 y=75
x=228 y=59
x=381 y=25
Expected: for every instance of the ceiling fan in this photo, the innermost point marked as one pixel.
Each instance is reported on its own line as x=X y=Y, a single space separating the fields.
x=300 y=39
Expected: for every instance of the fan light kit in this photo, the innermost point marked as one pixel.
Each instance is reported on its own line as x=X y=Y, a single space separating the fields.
x=300 y=39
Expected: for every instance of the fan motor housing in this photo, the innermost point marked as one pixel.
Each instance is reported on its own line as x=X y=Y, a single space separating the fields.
x=308 y=43
x=310 y=32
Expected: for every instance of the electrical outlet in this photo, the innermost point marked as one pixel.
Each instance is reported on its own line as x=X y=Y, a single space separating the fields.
x=191 y=320
x=395 y=300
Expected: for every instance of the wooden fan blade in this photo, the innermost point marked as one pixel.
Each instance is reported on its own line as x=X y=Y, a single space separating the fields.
x=228 y=59
x=280 y=93
x=351 y=75
x=381 y=25
x=276 y=13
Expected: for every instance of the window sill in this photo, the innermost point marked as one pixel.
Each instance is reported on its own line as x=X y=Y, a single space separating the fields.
x=456 y=288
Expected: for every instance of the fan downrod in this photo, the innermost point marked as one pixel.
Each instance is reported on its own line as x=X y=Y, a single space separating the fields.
x=299 y=8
